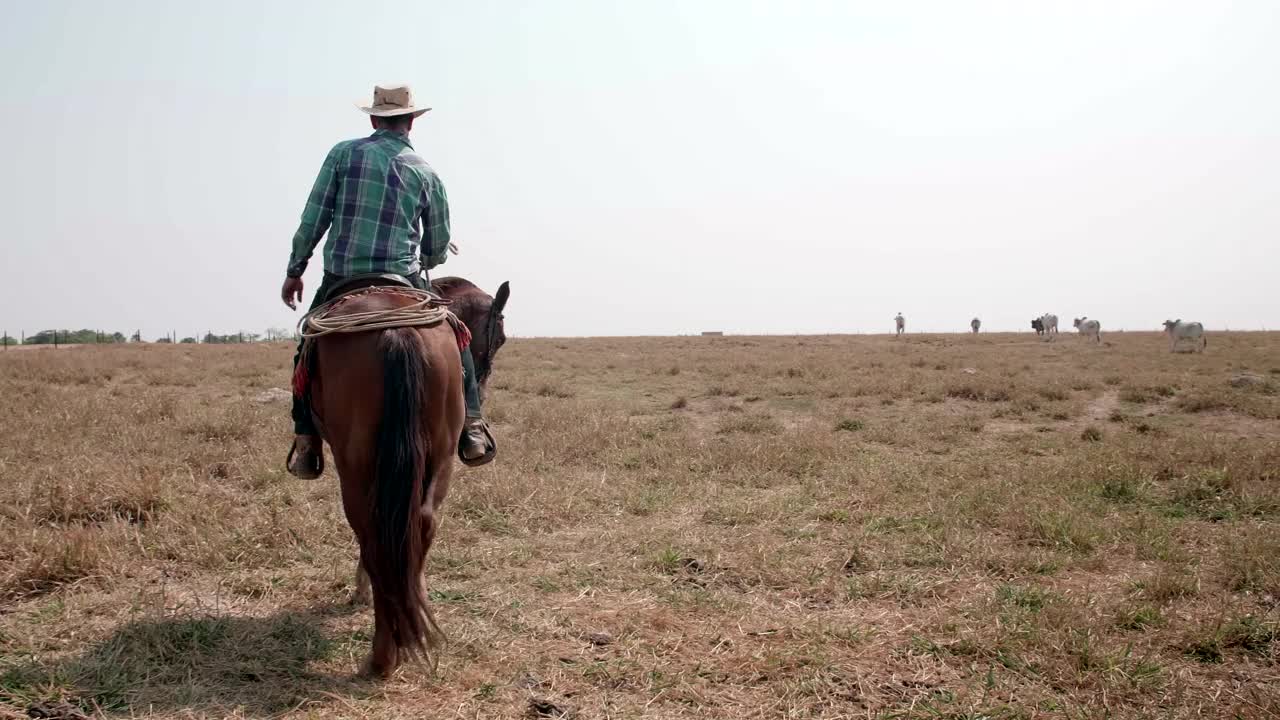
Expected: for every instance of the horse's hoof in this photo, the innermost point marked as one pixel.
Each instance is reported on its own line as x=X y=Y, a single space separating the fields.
x=376 y=671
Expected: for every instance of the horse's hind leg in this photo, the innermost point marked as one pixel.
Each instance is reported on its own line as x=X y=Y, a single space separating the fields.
x=384 y=658
x=435 y=637
x=363 y=593
x=441 y=476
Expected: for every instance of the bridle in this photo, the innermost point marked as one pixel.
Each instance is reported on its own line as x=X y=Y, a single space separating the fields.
x=490 y=336
x=493 y=325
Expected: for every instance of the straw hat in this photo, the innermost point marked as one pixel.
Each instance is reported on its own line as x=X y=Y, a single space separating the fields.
x=392 y=101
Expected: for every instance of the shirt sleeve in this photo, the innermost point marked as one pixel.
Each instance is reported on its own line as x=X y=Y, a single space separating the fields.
x=435 y=226
x=317 y=215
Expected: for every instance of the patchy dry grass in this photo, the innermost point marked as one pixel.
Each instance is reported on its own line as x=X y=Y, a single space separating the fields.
x=937 y=526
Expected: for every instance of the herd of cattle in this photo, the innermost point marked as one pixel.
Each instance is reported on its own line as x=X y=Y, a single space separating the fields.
x=1046 y=325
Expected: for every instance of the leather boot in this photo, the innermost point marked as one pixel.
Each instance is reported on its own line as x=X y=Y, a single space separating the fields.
x=477 y=445
x=306 y=457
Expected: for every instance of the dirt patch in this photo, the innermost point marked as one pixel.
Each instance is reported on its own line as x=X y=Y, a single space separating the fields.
x=1102 y=407
x=1228 y=423
x=1005 y=427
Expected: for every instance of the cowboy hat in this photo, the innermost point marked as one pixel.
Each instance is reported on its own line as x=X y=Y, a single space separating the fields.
x=392 y=101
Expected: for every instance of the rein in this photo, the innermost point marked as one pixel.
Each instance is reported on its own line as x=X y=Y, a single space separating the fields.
x=490 y=334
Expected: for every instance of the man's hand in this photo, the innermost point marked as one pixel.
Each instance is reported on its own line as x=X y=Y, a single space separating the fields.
x=291 y=292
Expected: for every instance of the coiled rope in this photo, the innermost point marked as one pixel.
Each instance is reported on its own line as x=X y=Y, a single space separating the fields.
x=430 y=309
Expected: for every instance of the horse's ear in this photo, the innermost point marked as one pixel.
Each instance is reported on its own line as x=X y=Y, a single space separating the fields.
x=500 y=302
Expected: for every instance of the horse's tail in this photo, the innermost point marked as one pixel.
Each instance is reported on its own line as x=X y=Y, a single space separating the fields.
x=395 y=556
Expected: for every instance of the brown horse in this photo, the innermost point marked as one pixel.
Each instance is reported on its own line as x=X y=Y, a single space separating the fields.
x=482 y=314
x=389 y=403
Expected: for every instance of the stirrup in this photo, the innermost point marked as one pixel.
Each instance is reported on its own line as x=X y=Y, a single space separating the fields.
x=318 y=468
x=490 y=447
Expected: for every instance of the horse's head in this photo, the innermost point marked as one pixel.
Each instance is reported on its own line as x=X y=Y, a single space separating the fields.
x=495 y=336
x=483 y=316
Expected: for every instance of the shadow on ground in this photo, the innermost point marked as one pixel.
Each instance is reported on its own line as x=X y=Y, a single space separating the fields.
x=209 y=665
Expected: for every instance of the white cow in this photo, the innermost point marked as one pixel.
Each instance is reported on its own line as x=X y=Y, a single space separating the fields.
x=1049 y=323
x=975 y=324
x=900 y=323
x=1090 y=329
x=1179 y=331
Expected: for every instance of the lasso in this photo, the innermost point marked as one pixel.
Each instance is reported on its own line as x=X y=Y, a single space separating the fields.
x=429 y=310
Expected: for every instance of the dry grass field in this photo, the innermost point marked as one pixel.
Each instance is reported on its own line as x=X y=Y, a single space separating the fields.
x=941 y=526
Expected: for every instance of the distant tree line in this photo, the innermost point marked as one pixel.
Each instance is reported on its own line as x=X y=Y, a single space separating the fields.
x=73 y=337
x=211 y=339
x=90 y=337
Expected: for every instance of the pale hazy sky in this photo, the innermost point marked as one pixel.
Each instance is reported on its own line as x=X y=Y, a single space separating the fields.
x=660 y=167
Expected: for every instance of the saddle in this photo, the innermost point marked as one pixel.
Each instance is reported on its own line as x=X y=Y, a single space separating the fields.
x=429 y=309
x=366 y=280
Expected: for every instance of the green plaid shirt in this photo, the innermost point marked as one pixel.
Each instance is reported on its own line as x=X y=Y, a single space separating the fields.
x=373 y=195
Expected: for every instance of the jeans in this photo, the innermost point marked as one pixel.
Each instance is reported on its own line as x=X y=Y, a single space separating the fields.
x=302 y=421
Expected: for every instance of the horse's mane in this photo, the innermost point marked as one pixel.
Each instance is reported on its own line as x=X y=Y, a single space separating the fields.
x=454 y=285
x=470 y=302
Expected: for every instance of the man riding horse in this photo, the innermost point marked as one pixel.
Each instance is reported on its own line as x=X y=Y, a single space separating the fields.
x=386 y=213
